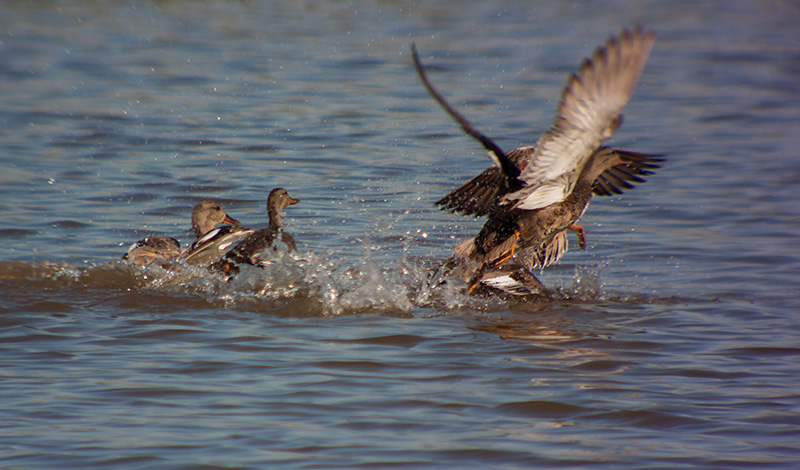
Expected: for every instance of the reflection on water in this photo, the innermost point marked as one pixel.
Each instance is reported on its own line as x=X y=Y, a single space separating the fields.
x=671 y=341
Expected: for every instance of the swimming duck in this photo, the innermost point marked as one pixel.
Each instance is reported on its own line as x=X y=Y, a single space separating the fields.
x=213 y=238
x=149 y=249
x=249 y=250
x=527 y=194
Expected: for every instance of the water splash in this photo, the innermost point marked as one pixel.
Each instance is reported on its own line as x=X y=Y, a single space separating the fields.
x=293 y=284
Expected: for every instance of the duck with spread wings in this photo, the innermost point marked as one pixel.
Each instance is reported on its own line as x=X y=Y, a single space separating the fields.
x=533 y=195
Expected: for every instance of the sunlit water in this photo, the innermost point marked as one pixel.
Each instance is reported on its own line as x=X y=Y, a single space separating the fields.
x=671 y=342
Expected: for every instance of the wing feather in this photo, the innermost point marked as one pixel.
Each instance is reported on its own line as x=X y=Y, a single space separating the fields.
x=500 y=158
x=589 y=112
x=479 y=195
x=620 y=177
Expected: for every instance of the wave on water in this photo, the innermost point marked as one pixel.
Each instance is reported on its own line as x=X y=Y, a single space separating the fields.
x=295 y=284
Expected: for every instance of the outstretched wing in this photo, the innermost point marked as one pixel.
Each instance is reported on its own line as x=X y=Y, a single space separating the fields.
x=509 y=170
x=481 y=194
x=633 y=168
x=589 y=112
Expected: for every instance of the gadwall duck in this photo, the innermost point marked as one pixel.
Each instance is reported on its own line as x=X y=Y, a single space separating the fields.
x=518 y=193
x=213 y=238
x=250 y=250
x=149 y=249
x=537 y=238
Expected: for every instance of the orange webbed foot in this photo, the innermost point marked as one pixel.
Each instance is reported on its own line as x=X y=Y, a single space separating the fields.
x=581 y=235
x=509 y=254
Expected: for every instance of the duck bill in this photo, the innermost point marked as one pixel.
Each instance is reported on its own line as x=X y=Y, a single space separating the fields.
x=230 y=220
x=293 y=201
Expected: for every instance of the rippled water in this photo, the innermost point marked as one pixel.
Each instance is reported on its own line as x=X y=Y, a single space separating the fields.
x=671 y=342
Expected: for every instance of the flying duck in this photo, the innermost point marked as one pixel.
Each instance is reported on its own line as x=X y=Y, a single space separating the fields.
x=538 y=236
x=530 y=195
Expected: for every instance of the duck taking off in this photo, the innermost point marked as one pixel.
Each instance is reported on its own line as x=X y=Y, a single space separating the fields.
x=534 y=194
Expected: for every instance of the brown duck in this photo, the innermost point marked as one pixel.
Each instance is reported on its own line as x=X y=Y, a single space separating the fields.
x=538 y=237
x=534 y=194
x=216 y=233
x=149 y=249
x=249 y=250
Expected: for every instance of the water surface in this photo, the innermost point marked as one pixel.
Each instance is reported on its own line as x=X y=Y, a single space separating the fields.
x=671 y=342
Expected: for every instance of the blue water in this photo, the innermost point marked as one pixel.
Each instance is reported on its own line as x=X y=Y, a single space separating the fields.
x=670 y=342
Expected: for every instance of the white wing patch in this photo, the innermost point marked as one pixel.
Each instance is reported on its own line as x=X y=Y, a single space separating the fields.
x=501 y=282
x=508 y=284
x=549 y=192
x=209 y=236
x=225 y=244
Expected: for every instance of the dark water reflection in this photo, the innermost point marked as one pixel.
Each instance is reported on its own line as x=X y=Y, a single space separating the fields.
x=671 y=342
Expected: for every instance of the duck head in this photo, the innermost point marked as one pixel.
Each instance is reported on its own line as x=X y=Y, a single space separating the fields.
x=277 y=201
x=208 y=214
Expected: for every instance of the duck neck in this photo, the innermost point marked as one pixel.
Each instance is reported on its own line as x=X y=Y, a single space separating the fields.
x=275 y=218
x=198 y=230
x=591 y=172
x=581 y=193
